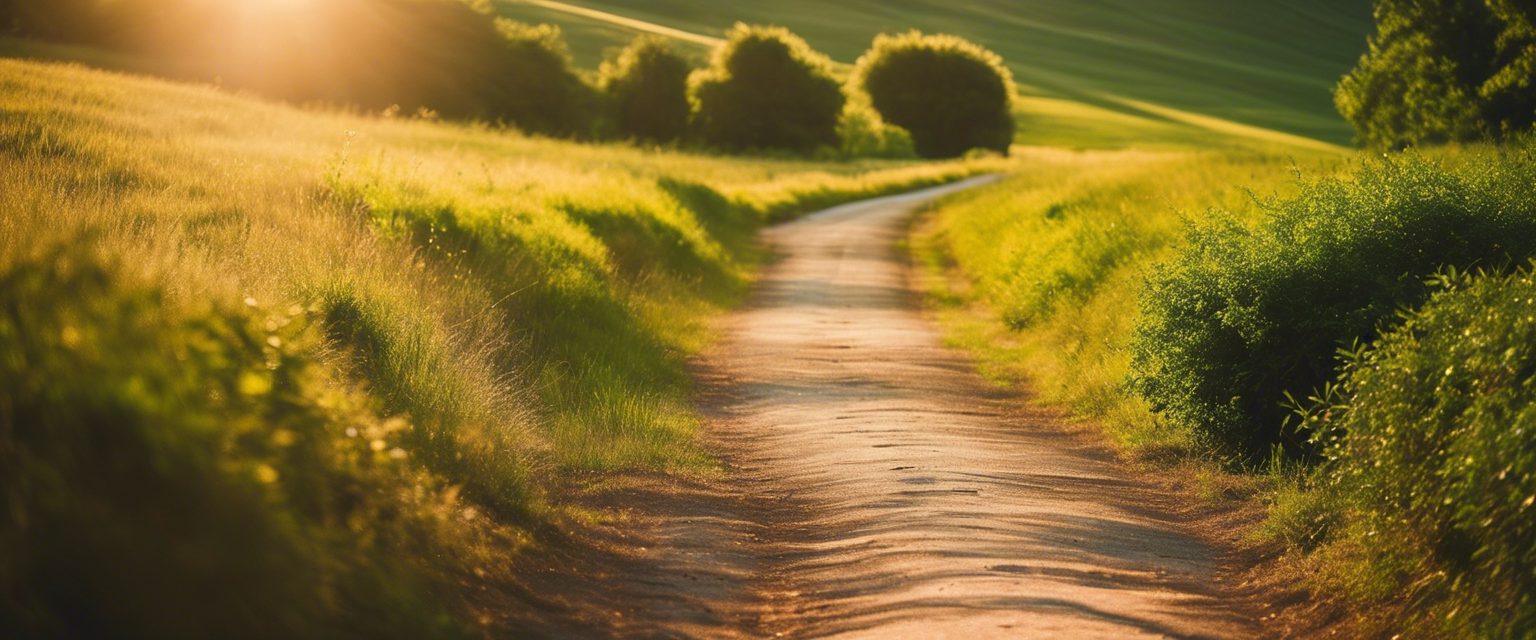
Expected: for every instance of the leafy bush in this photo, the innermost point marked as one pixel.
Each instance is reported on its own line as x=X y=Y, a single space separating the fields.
x=648 y=85
x=1443 y=71
x=440 y=55
x=865 y=135
x=766 y=89
x=534 y=86
x=192 y=470
x=952 y=95
x=1243 y=316
x=1436 y=451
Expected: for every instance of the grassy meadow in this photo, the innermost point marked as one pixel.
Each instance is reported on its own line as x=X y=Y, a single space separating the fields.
x=361 y=349
x=1264 y=64
x=1040 y=274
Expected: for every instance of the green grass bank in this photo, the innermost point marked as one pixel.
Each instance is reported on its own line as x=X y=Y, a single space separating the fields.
x=1087 y=274
x=334 y=365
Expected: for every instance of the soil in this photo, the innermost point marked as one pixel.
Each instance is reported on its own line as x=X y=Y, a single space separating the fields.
x=877 y=487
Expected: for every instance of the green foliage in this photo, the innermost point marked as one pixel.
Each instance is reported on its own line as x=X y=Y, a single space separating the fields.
x=1403 y=95
x=1244 y=317
x=463 y=421
x=1434 y=448
x=766 y=89
x=1442 y=71
x=647 y=84
x=507 y=311
x=865 y=135
x=1261 y=65
x=192 y=469
x=569 y=269
x=1056 y=255
x=952 y=95
x=444 y=56
x=533 y=85
x=1510 y=92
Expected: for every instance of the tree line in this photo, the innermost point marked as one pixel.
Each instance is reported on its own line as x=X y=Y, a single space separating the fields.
x=763 y=89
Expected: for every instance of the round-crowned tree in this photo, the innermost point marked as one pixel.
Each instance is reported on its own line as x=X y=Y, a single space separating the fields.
x=950 y=94
x=647 y=83
x=1443 y=71
x=535 y=87
x=765 y=88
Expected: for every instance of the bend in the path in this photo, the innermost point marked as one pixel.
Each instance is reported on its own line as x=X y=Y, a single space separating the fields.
x=930 y=505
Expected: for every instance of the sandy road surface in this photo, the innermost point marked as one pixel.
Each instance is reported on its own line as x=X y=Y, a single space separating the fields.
x=880 y=489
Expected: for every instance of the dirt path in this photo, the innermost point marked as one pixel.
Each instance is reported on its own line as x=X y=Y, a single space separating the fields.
x=880 y=489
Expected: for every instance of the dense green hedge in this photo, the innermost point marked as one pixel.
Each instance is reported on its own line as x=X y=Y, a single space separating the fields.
x=952 y=95
x=1243 y=316
x=647 y=84
x=766 y=88
x=865 y=134
x=1436 y=451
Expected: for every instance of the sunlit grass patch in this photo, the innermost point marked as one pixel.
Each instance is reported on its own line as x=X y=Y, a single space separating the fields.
x=192 y=465
x=480 y=315
x=1057 y=253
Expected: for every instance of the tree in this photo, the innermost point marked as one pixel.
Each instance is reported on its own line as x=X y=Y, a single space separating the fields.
x=1511 y=90
x=1443 y=71
x=647 y=83
x=766 y=88
x=536 y=88
x=950 y=94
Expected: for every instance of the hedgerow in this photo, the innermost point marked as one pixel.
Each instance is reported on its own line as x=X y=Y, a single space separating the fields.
x=1243 y=316
x=1433 y=446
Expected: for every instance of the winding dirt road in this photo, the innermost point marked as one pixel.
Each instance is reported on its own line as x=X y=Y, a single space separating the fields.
x=880 y=489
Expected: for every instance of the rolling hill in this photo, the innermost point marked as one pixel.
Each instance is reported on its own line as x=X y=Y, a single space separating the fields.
x=1264 y=64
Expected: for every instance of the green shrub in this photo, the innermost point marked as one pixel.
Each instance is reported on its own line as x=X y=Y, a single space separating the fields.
x=534 y=86
x=442 y=55
x=1436 y=451
x=192 y=471
x=952 y=95
x=865 y=135
x=647 y=83
x=1443 y=71
x=766 y=89
x=1243 y=316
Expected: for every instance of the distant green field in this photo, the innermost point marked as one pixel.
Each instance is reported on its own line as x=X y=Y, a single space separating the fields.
x=1266 y=64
